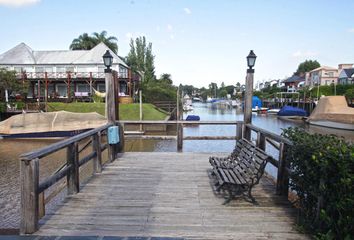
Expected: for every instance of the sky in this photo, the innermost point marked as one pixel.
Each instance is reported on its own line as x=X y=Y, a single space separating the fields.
x=196 y=41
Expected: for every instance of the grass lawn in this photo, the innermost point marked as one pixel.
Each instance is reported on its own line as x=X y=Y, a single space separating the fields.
x=126 y=111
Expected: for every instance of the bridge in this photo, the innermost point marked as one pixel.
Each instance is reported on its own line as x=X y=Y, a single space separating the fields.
x=149 y=195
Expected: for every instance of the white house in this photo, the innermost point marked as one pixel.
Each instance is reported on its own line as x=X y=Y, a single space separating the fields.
x=66 y=73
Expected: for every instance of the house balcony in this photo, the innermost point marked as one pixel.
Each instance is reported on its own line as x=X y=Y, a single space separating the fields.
x=65 y=75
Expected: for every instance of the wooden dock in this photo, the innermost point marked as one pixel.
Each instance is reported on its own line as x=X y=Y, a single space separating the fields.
x=168 y=195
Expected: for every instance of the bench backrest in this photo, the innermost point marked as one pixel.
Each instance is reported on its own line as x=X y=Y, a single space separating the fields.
x=251 y=160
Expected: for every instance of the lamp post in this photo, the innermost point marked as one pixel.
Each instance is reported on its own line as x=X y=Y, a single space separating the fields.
x=335 y=90
x=247 y=118
x=110 y=96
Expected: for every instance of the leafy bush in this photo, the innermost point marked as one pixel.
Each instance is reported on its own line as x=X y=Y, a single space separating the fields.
x=323 y=178
x=156 y=91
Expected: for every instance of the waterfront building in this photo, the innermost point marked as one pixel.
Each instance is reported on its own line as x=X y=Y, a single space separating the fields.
x=322 y=76
x=66 y=74
x=293 y=83
x=346 y=75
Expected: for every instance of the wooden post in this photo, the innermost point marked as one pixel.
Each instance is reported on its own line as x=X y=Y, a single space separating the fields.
x=73 y=183
x=248 y=103
x=282 y=176
x=111 y=108
x=41 y=205
x=261 y=141
x=120 y=147
x=179 y=137
x=96 y=146
x=239 y=131
x=177 y=114
x=29 y=196
x=46 y=91
x=140 y=109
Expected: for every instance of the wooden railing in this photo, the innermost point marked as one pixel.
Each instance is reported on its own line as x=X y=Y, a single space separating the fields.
x=281 y=144
x=32 y=190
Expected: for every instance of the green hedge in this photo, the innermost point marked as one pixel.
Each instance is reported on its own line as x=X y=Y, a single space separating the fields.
x=323 y=179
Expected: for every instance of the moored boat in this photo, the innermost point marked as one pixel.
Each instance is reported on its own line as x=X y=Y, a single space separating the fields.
x=293 y=113
x=49 y=124
x=333 y=112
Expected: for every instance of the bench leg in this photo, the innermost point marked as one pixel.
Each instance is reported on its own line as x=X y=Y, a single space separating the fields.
x=250 y=195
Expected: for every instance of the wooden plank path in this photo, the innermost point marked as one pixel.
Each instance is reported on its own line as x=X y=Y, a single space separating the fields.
x=168 y=195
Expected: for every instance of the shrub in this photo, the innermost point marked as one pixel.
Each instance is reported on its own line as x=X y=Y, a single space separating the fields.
x=2 y=107
x=323 y=178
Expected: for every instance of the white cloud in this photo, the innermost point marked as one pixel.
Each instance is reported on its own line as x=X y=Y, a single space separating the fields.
x=169 y=27
x=351 y=30
x=172 y=36
x=304 y=54
x=187 y=10
x=18 y=3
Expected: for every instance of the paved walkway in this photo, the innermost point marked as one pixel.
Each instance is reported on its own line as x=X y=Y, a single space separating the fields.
x=168 y=195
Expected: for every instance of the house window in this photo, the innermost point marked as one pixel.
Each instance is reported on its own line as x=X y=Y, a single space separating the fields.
x=61 y=89
x=48 y=69
x=101 y=87
x=60 y=69
x=330 y=74
x=101 y=69
x=18 y=69
x=123 y=72
x=81 y=87
x=39 y=69
x=70 y=69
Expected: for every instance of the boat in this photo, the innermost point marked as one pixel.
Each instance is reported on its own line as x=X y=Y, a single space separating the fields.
x=49 y=124
x=333 y=112
x=193 y=118
x=196 y=99
x=187 y=108
x=293 y=113
x=273 y=111
x=260 y=109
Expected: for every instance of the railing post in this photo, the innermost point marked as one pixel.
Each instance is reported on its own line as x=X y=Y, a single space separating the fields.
x=120 y=146
x=96 y=146
x=261 y=141
x=239 y=131
x=282 y=177
x=73 y=174
x=179 y=137
x=29 y=196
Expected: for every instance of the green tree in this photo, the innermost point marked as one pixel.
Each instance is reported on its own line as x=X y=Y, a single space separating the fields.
x=110 y=41
x=83 y=42
x=8 y=81
x=307 y=66
x=213 y=88
x=87 y=42
x=166 y=78
x=141 y=59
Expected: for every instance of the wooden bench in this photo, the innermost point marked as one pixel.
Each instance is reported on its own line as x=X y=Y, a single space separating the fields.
x=241 y=171
x=233 y=158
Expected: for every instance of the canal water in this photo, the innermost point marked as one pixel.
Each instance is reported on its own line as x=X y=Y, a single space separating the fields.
x=11 y=149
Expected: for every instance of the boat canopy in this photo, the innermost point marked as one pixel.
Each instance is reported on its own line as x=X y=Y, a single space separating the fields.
x=256 y=102
x=333 y=108
x=292 y=111
x=50 y=122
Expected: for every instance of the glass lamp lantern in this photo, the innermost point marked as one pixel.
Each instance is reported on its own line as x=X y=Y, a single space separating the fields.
x=251 y=59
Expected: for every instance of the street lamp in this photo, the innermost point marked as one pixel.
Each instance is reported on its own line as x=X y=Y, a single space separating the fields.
x=251 y=60
x=247 y=117
x=107 y=61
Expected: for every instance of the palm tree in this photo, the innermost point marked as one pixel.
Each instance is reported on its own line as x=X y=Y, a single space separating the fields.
x=83 y=42
x=110 y=41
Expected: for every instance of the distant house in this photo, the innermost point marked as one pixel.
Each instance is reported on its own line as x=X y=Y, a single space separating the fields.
x=321 y=76
x=346 y=76
x=67 y=73
x=292 y=83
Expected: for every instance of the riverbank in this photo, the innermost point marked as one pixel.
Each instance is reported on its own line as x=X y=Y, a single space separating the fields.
x=126 y=111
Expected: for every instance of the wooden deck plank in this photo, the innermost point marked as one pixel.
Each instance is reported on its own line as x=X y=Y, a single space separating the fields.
x=169 y=195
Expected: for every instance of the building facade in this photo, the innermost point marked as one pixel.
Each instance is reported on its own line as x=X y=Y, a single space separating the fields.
x=322 y=76
x=67 y=73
